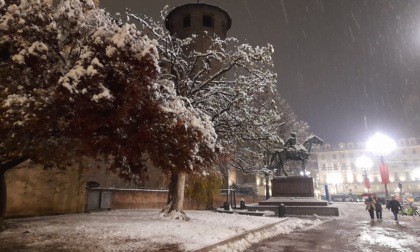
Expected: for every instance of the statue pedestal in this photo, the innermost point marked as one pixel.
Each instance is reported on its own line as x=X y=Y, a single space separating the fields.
x=297 y=195
x=292 y=187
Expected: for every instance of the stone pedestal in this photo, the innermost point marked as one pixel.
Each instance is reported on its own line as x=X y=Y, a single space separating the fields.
x=297 y=195
x=292 y=187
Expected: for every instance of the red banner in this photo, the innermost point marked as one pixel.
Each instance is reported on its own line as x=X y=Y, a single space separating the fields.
x=383 y=169
x=366 y=182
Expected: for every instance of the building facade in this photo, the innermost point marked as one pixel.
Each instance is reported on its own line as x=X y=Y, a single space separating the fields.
x=338 y=170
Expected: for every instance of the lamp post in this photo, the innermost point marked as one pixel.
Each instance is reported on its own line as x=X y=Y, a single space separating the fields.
x=364 y=163
x=381 y=145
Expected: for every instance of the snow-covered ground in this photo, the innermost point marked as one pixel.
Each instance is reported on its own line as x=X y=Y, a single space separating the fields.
x=144 y=230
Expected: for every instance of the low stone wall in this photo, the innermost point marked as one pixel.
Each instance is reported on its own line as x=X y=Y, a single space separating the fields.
x=128 y=199
x=143 y=198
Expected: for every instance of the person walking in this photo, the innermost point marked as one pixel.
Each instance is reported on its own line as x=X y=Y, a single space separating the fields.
x=378 y=207
x=395 y=207
x=370 y=206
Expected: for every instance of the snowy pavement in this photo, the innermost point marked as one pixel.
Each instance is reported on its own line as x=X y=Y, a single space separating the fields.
x=352 y=231
x=144 y=230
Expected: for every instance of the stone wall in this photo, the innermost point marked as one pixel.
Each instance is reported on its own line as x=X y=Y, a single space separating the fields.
x=34 y=191
x=129 y=199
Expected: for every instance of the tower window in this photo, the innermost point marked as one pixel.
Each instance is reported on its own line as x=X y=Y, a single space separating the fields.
x=207 y=21
x=187 y=21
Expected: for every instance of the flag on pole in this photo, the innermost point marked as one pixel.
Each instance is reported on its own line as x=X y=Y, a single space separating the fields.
x=383 y=169
x=366 y=182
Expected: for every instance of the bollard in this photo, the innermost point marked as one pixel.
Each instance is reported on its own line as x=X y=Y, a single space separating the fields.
x=226 y=206
x=242 y=204
x=282 y=211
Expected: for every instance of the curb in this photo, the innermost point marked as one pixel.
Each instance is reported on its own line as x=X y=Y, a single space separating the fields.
x=238 y=237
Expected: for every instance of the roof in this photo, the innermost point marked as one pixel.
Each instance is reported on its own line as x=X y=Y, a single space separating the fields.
x=168 y=17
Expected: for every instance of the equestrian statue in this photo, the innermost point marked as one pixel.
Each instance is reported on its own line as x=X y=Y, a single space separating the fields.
x=293 y=150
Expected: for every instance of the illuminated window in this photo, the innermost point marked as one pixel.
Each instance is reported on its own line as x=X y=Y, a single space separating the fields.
x=407 y=175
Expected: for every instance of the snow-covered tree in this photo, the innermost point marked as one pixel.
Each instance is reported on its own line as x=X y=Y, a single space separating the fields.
x=75 y=83
x=232 y=83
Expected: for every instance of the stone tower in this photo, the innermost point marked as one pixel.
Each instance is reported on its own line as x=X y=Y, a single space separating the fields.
x=199 y=19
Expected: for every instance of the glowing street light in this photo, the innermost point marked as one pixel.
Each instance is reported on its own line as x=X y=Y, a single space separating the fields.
x=381 y=146
x=364 y=163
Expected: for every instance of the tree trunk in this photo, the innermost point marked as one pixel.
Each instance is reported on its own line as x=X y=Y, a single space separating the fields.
x=175 y=202
x=3 y=189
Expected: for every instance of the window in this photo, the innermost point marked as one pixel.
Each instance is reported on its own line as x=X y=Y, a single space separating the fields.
x=335 y=166
x=334 y=156
x=207 y=21
x=187 y=21
x=324 y=167
x=407 y=175
x=396 y=176
x=413 y=151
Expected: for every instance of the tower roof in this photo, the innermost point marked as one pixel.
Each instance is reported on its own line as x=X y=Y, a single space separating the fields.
x=176 y=9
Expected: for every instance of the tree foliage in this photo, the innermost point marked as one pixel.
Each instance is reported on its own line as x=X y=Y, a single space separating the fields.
x=76 y=83
x=232 y=83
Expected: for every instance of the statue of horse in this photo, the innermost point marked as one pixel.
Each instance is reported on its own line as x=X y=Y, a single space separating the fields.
x=300 y=152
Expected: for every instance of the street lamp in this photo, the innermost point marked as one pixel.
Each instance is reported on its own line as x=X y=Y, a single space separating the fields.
x=364 y=163
x=381 y=146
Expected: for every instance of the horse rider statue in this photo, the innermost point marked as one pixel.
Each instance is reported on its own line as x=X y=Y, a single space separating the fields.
x=293 y=150
x=292 y=145
x=291 y=141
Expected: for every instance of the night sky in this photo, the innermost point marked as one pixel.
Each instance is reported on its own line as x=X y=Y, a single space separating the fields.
x=349 y=68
